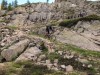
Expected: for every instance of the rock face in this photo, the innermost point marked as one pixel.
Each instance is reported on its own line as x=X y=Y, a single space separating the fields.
x=13 y=51
x=43 y=12
x=85 y=35
x=29 y=54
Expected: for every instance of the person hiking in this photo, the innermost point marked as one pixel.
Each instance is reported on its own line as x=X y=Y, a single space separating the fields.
x=49 y=30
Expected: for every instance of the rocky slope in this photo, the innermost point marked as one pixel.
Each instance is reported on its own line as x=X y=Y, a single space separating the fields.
x=43 y=12
x=73 y=48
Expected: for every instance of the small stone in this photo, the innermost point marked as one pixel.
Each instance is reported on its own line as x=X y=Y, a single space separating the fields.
x=63 y=66
x=69 y=68
x=89 y=66
x=83 y=60
x=55 y=64
x=2 y=44
x=84 y=65
x=60 y=52
x=48 y=62
x=68 y=57
x=39 y=59
x=42 y=56
x=49 y=66
x=56 y=61
x=55 y=69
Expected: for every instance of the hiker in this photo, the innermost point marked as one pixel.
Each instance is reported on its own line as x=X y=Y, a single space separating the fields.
x=49 y=30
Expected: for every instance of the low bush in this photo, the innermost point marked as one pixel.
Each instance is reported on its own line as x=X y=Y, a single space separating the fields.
x=35 y=70
x=53 y=56
x=72 y=22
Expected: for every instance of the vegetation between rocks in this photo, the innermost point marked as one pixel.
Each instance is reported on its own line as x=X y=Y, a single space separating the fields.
x=72 y=22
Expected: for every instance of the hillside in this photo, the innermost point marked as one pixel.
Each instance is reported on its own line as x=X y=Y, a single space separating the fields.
x=73 y=47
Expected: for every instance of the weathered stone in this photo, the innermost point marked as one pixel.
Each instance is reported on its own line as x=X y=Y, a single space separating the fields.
x=49 y=66
x=13 y=51
x=63 y=66
x=48 y=62
x=69 y=68
x=42 y=57
x=90 y=65
x=55 y=68
x=56 y=61
x=2 y=12
x=68 y=56
x=85 y=61
x=29 y=54
x=72 y=37
x=60 y=52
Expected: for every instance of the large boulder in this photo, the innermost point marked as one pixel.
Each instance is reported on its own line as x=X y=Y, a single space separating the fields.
x=29 y=54
x=2 y=12
x=13 y=51
x=74 y=38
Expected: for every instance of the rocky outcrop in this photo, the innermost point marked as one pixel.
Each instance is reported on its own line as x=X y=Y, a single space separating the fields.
x=13 y=51
x=29 y=54
x=77 y=40
x=43 y=12
x=84 y=34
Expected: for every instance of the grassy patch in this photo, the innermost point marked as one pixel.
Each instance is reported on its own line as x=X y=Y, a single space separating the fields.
x=72 y=22
x=29 y=68
x=6 y=21
x=12 y=27
x=43 y=47
x=83 y=51
x=53 y=56
x=80 y=51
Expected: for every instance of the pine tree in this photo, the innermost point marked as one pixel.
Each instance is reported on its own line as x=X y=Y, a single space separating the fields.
x=47 y=1
x=28 y=2
x=9 y=7
x=4 y=5
x=15 y=3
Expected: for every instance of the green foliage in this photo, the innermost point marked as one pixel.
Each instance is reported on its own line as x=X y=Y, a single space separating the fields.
x=58 y=73
x=28 y=2
x=69 y=23
x=6 y=21
x=12 y=27
x=47 y=1
x=53 y=56
x=31 y=69
x=72 y=22
x=4 y=5
x=43 y=47
x=9 y=7
x=83 y=52
x=15 y=3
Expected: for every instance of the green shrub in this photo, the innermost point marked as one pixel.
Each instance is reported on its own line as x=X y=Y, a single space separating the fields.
x=53 y=56
x=72 y=22
x=43 y=47
x=35 y=70
x=12 y=27
x=69 y=23
x=83 y=52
